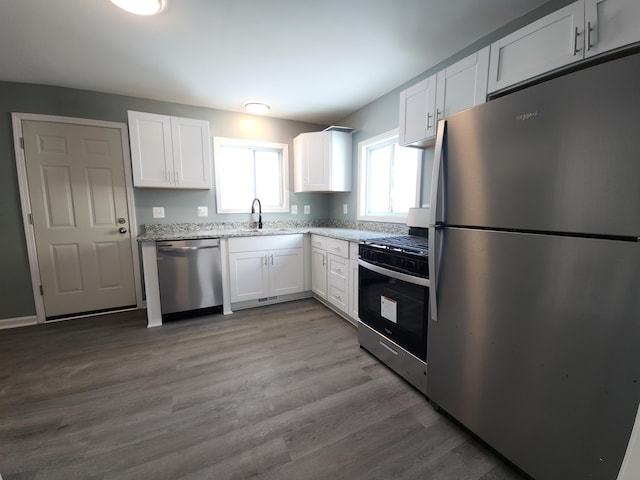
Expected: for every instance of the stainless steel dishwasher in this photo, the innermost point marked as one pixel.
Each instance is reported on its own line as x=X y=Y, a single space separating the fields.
x=190 y=276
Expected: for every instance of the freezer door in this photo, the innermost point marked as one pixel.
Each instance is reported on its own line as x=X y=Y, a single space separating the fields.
x=536 y=348
x=561 y=156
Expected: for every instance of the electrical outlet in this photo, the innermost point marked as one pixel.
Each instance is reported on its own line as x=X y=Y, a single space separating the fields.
x=203 y=211
x=158 y=212
x=307 y=209
x=294 y=209
x=345 y=208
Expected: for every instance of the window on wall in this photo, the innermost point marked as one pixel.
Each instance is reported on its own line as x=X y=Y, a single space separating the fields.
x=246 y=169
x=389 y=178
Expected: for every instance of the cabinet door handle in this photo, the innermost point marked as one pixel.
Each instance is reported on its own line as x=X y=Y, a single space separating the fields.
x=264 y=259
x=576 y=34
x=429 y=116
x=323 y=261
x=272 y=259
x=589 y=36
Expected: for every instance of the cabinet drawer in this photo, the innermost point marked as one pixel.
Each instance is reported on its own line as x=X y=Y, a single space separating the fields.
x=338 y=269
x=318 y=241
x=338 y=247
x=338 y=296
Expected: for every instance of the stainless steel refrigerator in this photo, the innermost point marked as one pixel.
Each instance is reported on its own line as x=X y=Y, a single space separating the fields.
x=534 y=336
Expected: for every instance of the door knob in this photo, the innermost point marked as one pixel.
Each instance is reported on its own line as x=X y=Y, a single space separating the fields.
x=122 y=221
x=122 y=230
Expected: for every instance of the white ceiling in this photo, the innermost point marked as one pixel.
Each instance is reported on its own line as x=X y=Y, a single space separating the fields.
x=312 y=60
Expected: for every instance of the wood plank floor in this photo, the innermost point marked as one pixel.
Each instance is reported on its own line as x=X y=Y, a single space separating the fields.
x=278 y=392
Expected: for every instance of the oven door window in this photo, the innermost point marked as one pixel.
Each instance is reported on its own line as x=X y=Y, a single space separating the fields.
x=395 y=308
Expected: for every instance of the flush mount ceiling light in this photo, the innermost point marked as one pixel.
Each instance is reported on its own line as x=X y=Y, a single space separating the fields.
x=257 y=108
x=140 y=7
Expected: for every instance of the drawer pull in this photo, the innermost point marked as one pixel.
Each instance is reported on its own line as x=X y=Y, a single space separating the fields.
x=382 y=344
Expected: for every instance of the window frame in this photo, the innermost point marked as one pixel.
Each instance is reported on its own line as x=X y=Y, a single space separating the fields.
x=363 y=147
x=255 y=144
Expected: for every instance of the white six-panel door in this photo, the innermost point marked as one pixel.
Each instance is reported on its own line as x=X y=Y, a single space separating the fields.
x=79 y=207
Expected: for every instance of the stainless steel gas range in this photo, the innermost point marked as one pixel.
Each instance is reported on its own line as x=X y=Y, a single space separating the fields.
x=393 y=298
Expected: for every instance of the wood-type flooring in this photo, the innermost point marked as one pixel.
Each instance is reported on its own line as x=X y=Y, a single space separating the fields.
x=277 y=392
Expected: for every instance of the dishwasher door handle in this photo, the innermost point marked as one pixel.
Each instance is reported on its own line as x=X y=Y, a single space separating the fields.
x=185 y=249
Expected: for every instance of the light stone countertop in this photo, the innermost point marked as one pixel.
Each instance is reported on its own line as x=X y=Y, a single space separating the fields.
x=348 y=234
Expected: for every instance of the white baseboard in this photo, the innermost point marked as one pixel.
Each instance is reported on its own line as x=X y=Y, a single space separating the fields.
x=17 y=322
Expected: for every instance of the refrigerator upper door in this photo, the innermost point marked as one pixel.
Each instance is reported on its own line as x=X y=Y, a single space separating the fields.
x=560 y=156
x=536 y=347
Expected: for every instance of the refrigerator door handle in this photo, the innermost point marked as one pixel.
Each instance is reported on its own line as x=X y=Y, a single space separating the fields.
x=437 y=197
x=437 y=217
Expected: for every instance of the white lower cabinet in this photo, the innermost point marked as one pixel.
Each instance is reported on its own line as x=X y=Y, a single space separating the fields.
x=265 y=266
x=334 y=273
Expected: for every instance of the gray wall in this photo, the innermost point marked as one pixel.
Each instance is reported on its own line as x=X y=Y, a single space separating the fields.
x=16 y=298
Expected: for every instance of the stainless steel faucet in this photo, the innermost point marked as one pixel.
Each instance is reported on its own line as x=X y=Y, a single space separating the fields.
x=253 y=210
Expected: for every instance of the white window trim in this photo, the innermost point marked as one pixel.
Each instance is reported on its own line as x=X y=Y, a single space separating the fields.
x=362 y=157
x=219 y=141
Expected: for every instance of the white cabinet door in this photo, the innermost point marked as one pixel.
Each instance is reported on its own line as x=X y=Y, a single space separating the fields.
x=286 y=271
x=417 y=112
x=319 y=271
x=151 y=149
x=169 y=152
x=453 y=89
x=611 y=24
x=463 y=84
x=322 y=162
x=248 y=275
x=309 y=152
x=191 y=153
x=548 y=43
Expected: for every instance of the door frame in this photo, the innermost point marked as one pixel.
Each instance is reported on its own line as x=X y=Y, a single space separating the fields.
x=25 y=202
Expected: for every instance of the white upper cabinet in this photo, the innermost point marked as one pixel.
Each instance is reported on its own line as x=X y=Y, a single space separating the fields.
x=548 y=43
x=463 y=85
x=578 y=31
x=456 y=88
x=322 y=161
x=611 y=24
x=169 y=152
x=417 y=112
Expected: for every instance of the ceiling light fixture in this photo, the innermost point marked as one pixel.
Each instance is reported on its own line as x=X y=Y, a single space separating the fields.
x=140 y=7
x=257 y=108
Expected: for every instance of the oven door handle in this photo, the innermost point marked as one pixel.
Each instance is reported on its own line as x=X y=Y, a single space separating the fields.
x=424 y=282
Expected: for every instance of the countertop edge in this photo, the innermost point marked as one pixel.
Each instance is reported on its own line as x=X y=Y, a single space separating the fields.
x=338 y=233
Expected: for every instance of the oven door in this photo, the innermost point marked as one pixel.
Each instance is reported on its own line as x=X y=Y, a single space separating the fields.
x=395 y=305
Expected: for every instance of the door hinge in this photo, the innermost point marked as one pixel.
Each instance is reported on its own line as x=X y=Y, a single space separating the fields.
x=22 y=143
x=31 y=218
x=41 y=290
